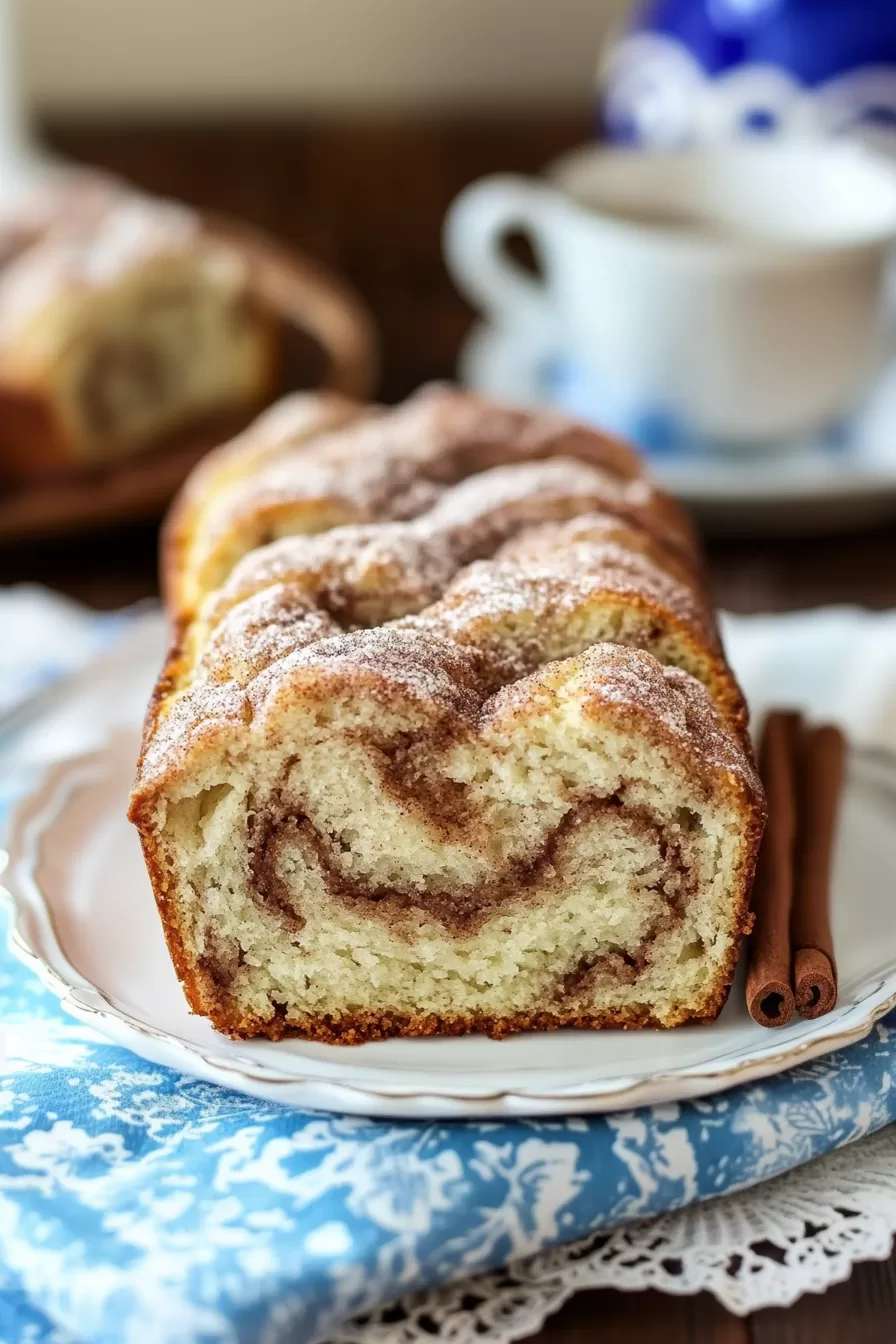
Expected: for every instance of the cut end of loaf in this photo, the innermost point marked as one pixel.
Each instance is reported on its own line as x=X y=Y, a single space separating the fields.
x=559 y=853
x=475 y=763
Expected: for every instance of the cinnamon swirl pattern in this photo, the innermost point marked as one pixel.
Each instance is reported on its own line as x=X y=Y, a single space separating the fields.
x=447 y=741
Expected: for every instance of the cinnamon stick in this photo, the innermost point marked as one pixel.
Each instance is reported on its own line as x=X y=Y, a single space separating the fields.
x=822 y=753
x=770 y=998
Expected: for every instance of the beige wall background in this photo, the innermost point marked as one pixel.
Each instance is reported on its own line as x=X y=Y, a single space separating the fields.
x=267 y=55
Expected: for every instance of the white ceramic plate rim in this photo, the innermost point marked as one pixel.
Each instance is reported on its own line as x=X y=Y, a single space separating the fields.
x=33 y=939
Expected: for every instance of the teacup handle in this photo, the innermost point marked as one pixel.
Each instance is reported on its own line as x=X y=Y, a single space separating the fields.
x=475 y=228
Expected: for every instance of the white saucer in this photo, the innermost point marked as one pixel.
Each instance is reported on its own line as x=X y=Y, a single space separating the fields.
x=86 y=922
x=805 y=487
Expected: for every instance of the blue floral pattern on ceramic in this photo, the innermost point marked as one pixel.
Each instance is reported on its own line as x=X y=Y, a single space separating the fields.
x=700 y=70
x=657 y=431
x=138 y=1206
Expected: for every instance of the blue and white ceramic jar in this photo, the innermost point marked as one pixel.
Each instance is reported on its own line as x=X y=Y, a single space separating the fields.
x=698 y=71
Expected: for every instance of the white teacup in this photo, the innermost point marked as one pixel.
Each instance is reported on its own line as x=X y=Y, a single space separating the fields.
x=739 y=290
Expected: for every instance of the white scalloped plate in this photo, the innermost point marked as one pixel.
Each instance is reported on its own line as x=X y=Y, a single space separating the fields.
x=86 y=922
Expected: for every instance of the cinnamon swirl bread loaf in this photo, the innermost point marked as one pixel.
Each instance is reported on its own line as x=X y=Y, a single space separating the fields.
x=127 y=325
x=447 y=741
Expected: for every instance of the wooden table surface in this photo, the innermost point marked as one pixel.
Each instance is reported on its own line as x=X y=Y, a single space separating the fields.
x=368 y=196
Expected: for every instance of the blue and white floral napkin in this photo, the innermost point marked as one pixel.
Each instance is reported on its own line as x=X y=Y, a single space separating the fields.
x=138 y=1206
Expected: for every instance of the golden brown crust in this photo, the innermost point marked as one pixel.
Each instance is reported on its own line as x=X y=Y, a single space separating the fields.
x=294 y=420
x=360 y=1028
x=365 y=1027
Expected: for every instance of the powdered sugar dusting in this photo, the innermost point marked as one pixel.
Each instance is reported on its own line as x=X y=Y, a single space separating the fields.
x=367 y=574
x=395 y=464
x=260 y=631
x=428 y=668
x=442 y=484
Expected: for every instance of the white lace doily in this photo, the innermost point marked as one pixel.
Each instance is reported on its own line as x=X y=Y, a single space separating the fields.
x=764 y=1247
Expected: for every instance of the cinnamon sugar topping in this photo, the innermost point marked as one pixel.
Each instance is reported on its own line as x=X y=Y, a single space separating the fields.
x=581 y=553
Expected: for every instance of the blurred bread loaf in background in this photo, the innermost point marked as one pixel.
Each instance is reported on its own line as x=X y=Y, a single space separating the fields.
x=66 y=201
x=122 y=321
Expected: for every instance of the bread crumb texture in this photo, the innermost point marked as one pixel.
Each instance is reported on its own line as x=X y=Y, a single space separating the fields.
x=447 y=741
